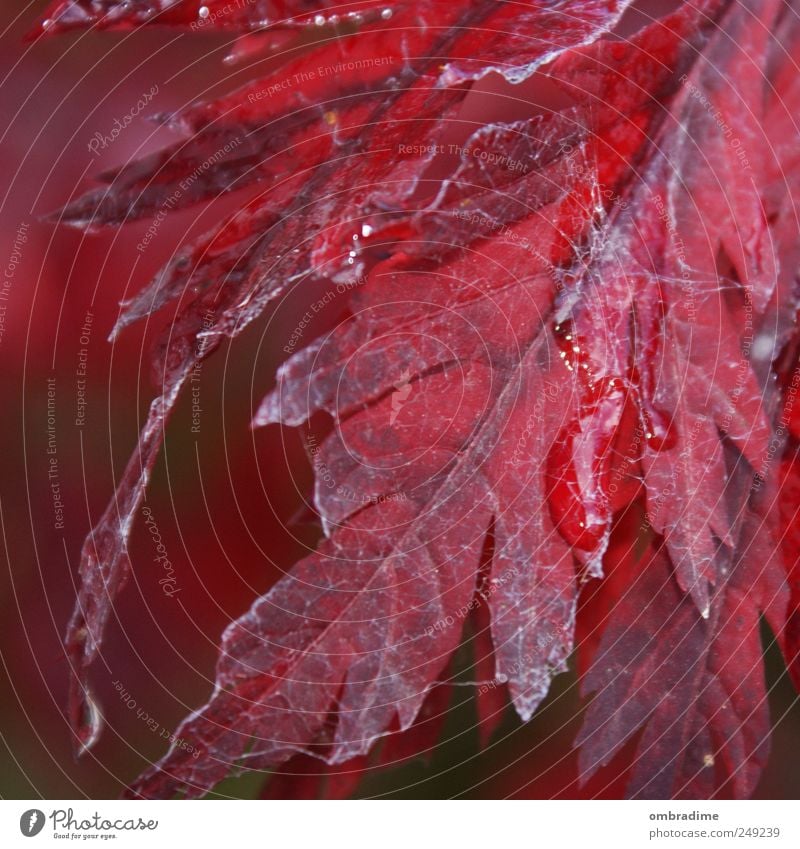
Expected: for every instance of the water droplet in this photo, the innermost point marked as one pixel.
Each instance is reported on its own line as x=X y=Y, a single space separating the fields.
x=661 y=431
x=386 y=14
x=92 y=723
x=319 y=20
x=203 y=11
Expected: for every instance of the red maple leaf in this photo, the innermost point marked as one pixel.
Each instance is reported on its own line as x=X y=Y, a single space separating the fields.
x=592 y=314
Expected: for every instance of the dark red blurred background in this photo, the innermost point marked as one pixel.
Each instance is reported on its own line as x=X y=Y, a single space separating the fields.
x=223 y=499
